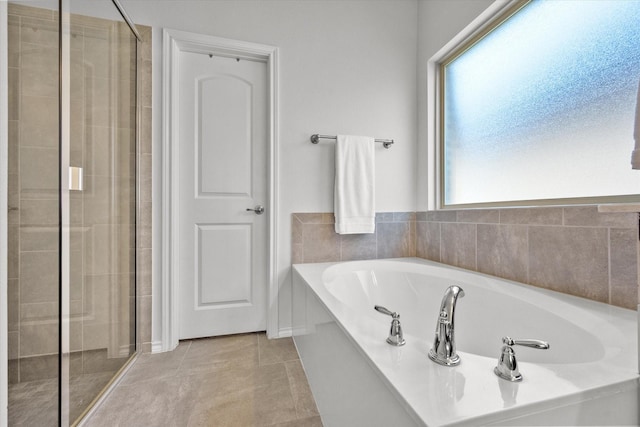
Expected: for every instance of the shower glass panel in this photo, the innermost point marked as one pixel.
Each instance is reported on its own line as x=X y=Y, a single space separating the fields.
x=72 y=112
x=33 y=217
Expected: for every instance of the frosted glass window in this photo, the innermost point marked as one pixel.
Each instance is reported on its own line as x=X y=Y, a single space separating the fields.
x=543 y=106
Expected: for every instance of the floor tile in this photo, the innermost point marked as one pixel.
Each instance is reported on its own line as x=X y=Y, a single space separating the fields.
x=302 y=396
x=158 y=402
x=241 y=380
x=276 y=350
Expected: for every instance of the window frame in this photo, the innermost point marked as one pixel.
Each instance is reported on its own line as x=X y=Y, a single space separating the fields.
x=492 y=17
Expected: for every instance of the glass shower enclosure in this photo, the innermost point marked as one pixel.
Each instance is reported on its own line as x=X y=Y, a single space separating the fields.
x=71 y=271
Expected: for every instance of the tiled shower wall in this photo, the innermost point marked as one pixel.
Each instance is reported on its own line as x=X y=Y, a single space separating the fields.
x=574 y=250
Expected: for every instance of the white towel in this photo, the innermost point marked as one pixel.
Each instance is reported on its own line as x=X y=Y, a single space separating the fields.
x=354 y=198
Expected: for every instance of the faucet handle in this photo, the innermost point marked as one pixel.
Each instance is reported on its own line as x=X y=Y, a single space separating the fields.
x=507 y=367
x=386 y=311
x=395 y=333
x=538 y=344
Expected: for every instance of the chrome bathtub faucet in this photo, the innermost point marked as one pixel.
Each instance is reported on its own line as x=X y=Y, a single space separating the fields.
x=444 y=344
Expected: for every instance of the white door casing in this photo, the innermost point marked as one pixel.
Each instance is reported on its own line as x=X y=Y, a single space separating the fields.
x=179 y=44
x=222 y=173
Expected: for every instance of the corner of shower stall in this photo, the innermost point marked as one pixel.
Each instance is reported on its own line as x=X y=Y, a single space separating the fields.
x=72 y=206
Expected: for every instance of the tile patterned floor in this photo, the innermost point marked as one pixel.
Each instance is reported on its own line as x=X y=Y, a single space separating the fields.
x=238 y=380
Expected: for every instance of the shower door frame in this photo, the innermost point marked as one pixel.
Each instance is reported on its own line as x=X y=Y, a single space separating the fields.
x=4 y=175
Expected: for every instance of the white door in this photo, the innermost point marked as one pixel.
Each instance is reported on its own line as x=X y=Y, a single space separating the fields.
x=223 y=137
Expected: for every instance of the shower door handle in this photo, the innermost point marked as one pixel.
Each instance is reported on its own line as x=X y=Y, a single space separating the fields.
x=259 y=209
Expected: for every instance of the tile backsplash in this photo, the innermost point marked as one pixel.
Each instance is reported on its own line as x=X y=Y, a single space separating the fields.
x=574 y=250
x=314 y=238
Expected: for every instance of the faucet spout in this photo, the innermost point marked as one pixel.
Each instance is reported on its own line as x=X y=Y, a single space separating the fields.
x=444 y=345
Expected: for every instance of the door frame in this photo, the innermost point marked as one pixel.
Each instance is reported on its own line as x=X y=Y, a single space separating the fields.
x=174 y=42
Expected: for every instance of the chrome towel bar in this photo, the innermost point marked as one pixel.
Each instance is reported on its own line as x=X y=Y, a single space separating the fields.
x=315 y=138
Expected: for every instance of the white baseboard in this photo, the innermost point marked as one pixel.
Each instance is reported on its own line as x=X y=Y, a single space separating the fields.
x=285 y=332
x=156 y=347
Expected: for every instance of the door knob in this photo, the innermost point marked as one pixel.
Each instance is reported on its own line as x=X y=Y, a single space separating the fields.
x=259 y=209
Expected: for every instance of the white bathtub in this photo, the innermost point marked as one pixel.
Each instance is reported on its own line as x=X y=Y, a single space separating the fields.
x=589 y=376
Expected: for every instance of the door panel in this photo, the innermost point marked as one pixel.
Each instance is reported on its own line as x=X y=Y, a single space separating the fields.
x=222 y=172
x=217 y=283
x=224 y=139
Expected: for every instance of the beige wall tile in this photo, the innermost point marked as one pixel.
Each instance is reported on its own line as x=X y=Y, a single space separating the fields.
x=97 y=105
x=572 y=260
x=421 y=239
x=95 y=336
x=314 y=218
x=396 y=239
x=589 y=216
x=145 y=178
x=39 y=172
x=404 y=216
x=531 y=216
x=28 y=11
x=14 y=345
x=97 y=160
x=14 y=147
x=297 y=254
x=13 y=199
x=96 y=43
x=479 y=216
x=321 y=243
x=97 y=200
x=39 y=212
x=144 y=259
x=13 y=41
x=38 y=277
x=97 y=257
x=39 y=311
x=296 y=230
x=13 y=252
x=433 y=237
x=13 y=93
x=76 y=70
x=14 y=371
x=384 y=217
x=38 y=238
x=442 y=216
x=13 y=306
x=503 y=251
x=145 y=84
x=144 y=319
x=38 y=339
x=624 y=267
x=39 y=31
x=39 y=121
x=458 y=245
x=358 y=246
x=39 y=70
